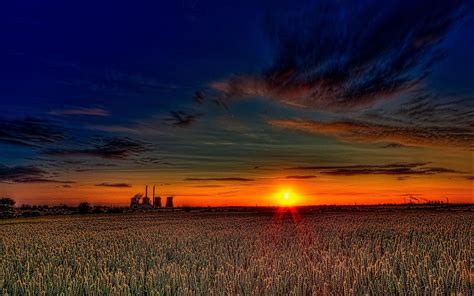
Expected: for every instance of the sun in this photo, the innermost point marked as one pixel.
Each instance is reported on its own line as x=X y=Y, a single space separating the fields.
x=286 y=196
x=287 y=199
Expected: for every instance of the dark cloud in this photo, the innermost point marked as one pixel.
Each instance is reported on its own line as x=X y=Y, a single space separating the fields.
x=221 y=179
x=361 y=166
x=27 y=174
x=430 y=109
x=469 y=178
x=337 y=55
x=300 y=177
x=182 y=118
x=111 y=148
x=199 y=96
x=369 y=132
x=80 y=111
x=393 y=145
x=118 y=185
x=149 y=160
x=30 y=132
x=415 y=168
x=104 y=165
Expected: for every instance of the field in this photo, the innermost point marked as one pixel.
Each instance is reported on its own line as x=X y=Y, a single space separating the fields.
x=177 y=253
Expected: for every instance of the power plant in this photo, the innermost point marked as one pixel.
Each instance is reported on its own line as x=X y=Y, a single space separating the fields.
x=146 y=201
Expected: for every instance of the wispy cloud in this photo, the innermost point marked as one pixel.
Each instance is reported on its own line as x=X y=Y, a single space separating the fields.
x=111 y=148
x=367 y=132
x=118 y=185
x=27 y=174
x=182 y=118
x=405 y=169
x=80 y=111
x=300 y=177
x=230 y=179
x=30 y=132
x=340 y=55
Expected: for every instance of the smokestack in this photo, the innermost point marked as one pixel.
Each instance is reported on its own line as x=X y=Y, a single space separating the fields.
x=153 y=191
x=146 y=190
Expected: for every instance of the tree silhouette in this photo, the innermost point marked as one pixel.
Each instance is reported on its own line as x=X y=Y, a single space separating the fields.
x=84 y=208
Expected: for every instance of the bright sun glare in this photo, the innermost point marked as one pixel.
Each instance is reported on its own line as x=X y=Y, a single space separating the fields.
x=287 y=199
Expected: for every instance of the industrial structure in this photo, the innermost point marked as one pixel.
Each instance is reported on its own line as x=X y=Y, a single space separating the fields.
x=140 y=201
x=169 y=202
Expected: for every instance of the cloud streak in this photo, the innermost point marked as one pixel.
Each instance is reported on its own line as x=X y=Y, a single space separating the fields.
x=300 y=177
x=80 y=111
x=117 y=185
x=367 y=132
x=27 y=174
x=32 y=132
x=342 y=55
x=109 y=148
x=230 y=179
x=182 y=118
x=414 y=168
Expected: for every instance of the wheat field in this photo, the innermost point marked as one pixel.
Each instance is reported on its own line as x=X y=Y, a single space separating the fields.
x=173 y=253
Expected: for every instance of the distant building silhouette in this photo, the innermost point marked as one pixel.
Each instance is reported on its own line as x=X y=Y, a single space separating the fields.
x=169 y=202
x=157 y=202
x=146 y=202
x=135 y=201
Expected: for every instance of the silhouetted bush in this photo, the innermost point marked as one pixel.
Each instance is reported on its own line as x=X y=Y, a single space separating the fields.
x=6 y=201
x=31 y=213
x=115 y=210
x=6 y=208
x=84 y=208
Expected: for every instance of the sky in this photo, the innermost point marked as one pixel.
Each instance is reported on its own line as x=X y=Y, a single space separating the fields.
x=219 y=103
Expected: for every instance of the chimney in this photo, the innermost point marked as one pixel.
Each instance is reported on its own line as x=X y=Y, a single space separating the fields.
x=146 y=190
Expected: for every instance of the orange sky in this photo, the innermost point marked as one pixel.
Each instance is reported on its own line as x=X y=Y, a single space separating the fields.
x=266 y=190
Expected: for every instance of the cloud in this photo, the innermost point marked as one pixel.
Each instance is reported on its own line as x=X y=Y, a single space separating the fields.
x=301 y=177
x=368 y=132
x=432 y=109
x=80 y=111
x=118 y=185
x=32 y=132
x=182 y=118
x=339 y=55
x=27 y=174
x=405 y=169
x=394 y=145
x=231 y=179
x=108 y=147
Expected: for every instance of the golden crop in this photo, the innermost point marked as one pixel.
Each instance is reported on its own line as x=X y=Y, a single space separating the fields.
x=237 y=254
